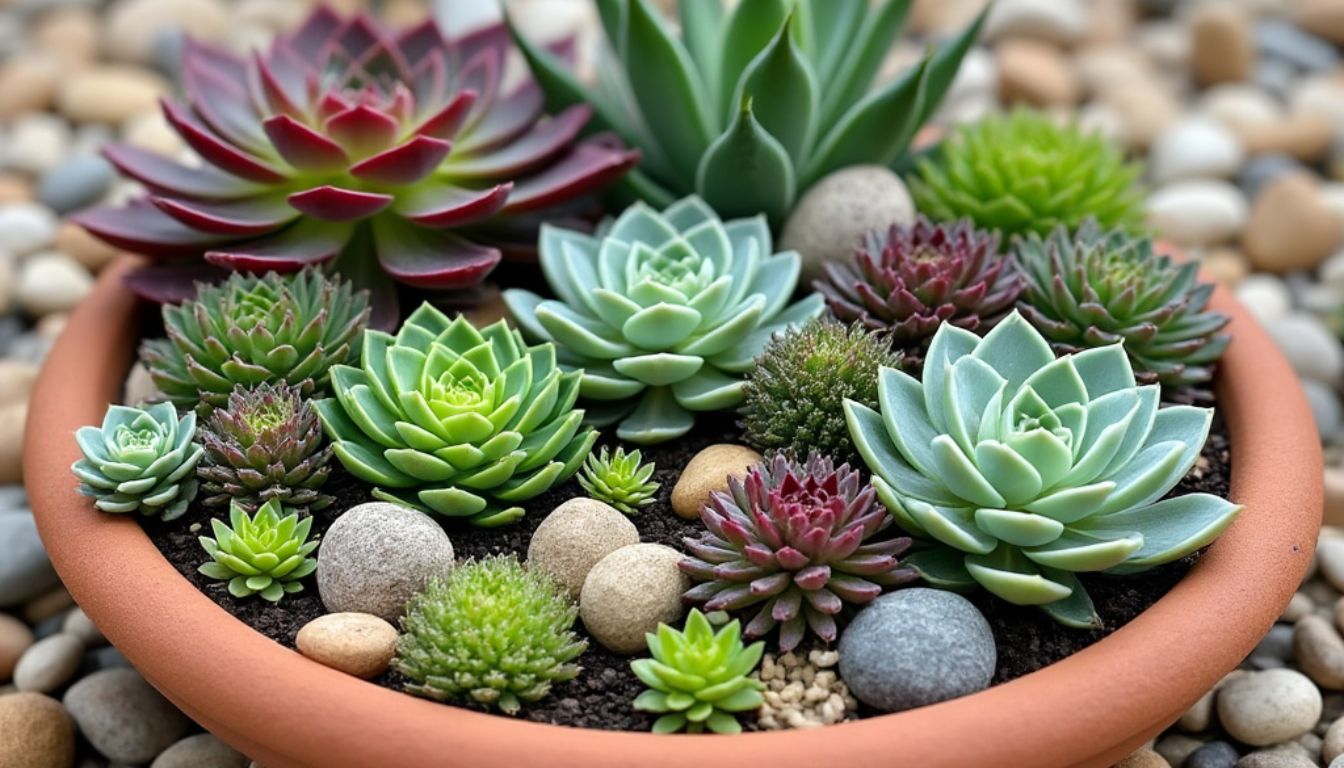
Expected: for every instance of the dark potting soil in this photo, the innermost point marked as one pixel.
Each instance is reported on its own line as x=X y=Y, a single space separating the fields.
x=600 y=697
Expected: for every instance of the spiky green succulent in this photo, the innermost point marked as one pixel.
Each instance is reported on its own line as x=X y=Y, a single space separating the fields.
x=664 y=312
x=1023 y=172
x=1101 y=287
x=264 y=554
x=490 y=632
x=794 y=395
x=619 y=479
x=699 y=679
x=456 y=421
x=140 y=461
x=753 y=103
x=254 y=329
x=1018 y=470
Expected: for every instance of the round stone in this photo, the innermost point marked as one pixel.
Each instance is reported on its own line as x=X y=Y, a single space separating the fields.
x=1262 y=169
x=76 y=242
x=1325 y=408
x=630 y=592
x=37 y=142
x=377 y=556
x=708 y=471
x=123 y=717
x=574 y=537
x=37 y=732
x=915 y=647
x=28 y=84
x=1194 y=148
x=1266 y=296
x=1174 y=748
x=51 y=282
x=26 y=227
x=1056 y=21
x=1287 y=756
x=1143 y=758
x=1312 y=350
x=357 y=644
x=1222 y=43
x=1290 y=227
x=78 y=623
x=1198 y=212
x=1268 y=707
x=109 y=94
x=1332 y=744
x=49 y=663
x=1036 y=73
x=200 y=751
x=1319 y=651
x=1238 y=105
x=13 y=575
x=131 y=27
x=15 y=639
x=76 y=183
x=830 y=219
x=1215 y=754
x=25 y=571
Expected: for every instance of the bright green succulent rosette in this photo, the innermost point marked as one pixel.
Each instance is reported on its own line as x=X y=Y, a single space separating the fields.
x=663 y=312
x=456 y=421
x=140 y=461
x=263 y=554
x=1019 y=470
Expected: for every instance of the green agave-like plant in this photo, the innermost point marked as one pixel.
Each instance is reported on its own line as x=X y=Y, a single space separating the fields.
x=619 y=479
x=140 y=461
x=664 y=312
x=1019 y=470
x=752 y=105
x=265 y=554
x=454 y=420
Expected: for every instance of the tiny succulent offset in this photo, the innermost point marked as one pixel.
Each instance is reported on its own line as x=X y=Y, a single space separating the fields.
x=491 y=632
x=1101 y=287
x=393 y=155
x=753 y=103
x=264 y=554
x=266 y=443
x=1017 y=471
x=795 y=538
x=140 y=461
x=663 y=312
x=251 y=330
x=794 y=396
x=1022 y=172
x=699 y=679
x=619 y=479
x=456 y=421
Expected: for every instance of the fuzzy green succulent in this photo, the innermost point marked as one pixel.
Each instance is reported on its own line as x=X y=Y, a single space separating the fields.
x=140 y=461
x=253 y=329
x=1101 y=287
x=490 y=632
x=1022 y=172
x=663 y=312
x=1017 y=470
x=794 y=395
x=265 y=554
x=619 y=479
x=456 y=421
x=753 y=102
x=699 y=679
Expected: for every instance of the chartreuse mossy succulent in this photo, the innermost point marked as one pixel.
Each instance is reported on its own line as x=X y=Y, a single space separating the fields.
x=619 y=479
x=263 y=554
x=456 y=421
x=663 y=312
x=490 y=632
x=140 y=461
x=1099 y=287
x=754 y=101
x=1023 y=172
x=699 y=679
x=1017 y=470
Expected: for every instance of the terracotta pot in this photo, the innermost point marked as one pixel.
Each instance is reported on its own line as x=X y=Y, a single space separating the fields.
x=284 y=710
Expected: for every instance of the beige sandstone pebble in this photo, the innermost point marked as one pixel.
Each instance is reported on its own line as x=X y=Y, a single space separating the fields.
x=16 y=380
x=37 y=732
x=1143 y=758
x=28 y=84
x=51 y=282
x=1145 y=109
x=130 y=27
x=76 y=242
x=1175 y=747
x=1222 y=43
x=1332 y=744
x=78 y=623
x=1290 y=227
x=708 y=471
x=69 y=33
x=1200 y=714
x=15 y=638
x=574 y=537
x=109 y=94
x=1304 y=136
x=1036 y=73
x=1319 y=651
x=11 y=442
x=44 y=606
x=14 y=189
x=1226 y=265
x=1300 y=605
x=200 y=751
x=1269 y=707
x=151 y=131
x=1322 y=17
x=358 y=644
x=630 y=592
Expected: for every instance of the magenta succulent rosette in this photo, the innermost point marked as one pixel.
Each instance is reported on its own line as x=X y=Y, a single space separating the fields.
x=349 y=144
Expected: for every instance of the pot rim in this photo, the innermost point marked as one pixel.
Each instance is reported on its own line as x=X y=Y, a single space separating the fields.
x=226 y=675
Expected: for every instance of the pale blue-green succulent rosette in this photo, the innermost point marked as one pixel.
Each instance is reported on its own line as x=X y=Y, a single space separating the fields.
x=663 y=312
x=140 y=461
x=1018 y=470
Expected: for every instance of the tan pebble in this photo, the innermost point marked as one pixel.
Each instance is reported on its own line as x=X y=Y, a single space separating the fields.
x=1036 y=73
x=630 y=592
x=1143 y=758
x=708 y=471
x=69 y=33
x=1304 y=136
x=773 y=699
x=76 y=242
x=37 y=732
x=1324 y=18
x=358 y=644
x=1145 y=109
x=1222 y=43
x=43 y=607
x=109 y=94
x=12 y=419
x=1334 y=495
x=1290 y=228
x=814 y=695
x=130 y=26
x=1319 y=651
x=28 y=84
x=809 y=674
x=789 y=660
x=78 y=623
x=1225 y=265
x=574 y=537
x=794 y=719
x=15 y=638
x=14 y=189
x=1298 y=606
x=768 y=722
x=1199 y=715
x=16 y=380
x=1332 y=743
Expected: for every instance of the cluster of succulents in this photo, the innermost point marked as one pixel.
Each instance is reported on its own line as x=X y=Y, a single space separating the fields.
x=619 y=479
x=264 y=554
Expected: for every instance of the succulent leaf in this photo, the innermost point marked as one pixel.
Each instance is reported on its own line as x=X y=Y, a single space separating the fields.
x=140 y=460
x=619 y=479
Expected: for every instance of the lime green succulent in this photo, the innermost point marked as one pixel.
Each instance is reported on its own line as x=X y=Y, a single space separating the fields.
x=140 y=461
x=619 y=479
x=265 y=554
x=1017 y=470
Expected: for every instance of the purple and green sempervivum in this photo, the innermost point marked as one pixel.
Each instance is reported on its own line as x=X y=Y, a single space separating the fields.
x=796 y=537
x=909 y=280
x=397 y=154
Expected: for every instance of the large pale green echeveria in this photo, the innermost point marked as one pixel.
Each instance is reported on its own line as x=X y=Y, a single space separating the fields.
x=140 y=461
x=457 y=421
x=664 y=312
x=1020 y=470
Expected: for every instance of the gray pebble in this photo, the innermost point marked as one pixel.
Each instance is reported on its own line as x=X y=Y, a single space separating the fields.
x=13 y=499
x=49 y=626
x=1215 y=754
x=200 y=751
x=1338 y=762
x=48 y=664
x=1176 y=747
x=1275 y=77
x=1283 y=41
x=25 y=571
x=1277 y=644
x=76 y=183
x=123 y=717
x=1259 y=170
x=99 y=659
x=1276 y=758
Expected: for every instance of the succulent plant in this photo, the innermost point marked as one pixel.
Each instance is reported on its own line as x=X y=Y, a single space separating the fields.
x=699 y=678
x=619 y=479
x=266 y=443
x=265 y=554
x=390 y=154
x=753 y=104
x=1021 y=172
x=1095 y=288
x=456 y=421
x=252 y=330
x=796 y=538
x=794 y=395
x=139 y=461
x=490 y=632
x=662 y=311
x=1017 y=470
x=908 y=280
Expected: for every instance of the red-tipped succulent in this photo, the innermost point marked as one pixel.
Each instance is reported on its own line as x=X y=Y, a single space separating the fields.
x=795 y=538
x=350 y=144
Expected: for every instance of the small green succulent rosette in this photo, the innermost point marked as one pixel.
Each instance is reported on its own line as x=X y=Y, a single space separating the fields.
x=265 y=554
x=456 y=421
x=1018 y=470
x=663 y=311
x=140 y=461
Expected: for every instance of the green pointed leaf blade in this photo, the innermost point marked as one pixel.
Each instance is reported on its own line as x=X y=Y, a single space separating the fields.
x=782 y=90
x=746 y=171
